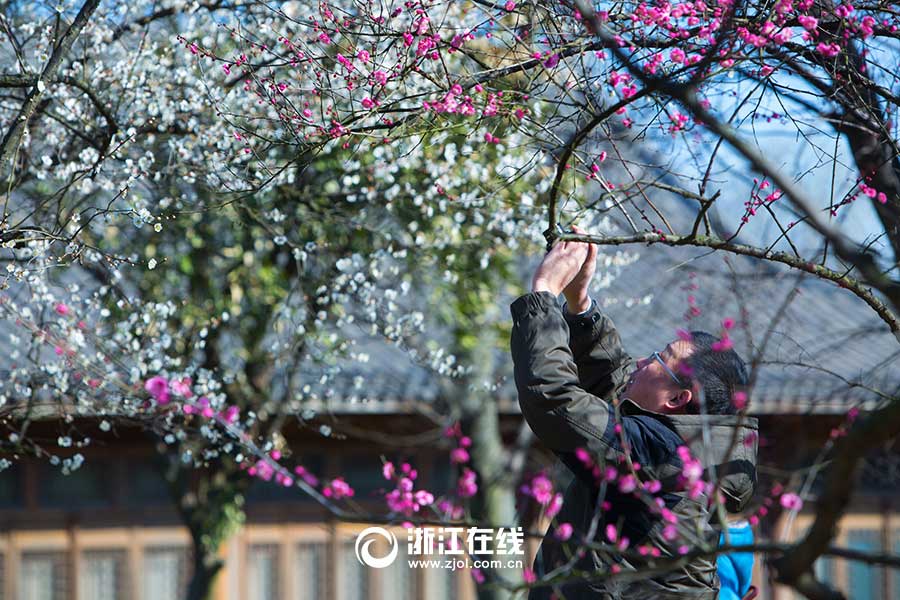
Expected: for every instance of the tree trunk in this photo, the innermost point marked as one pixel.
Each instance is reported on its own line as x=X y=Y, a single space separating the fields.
x=207 y=565
x=211 y=522
x=210 y=502
x=497 y=490
x=496 y=506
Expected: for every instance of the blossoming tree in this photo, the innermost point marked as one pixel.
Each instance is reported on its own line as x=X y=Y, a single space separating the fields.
x=197 y=301
x=201 y=197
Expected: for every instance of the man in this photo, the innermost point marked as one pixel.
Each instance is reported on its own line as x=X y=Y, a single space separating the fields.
x=673 y=414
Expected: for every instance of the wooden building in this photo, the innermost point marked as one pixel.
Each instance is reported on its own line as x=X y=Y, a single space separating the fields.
x=108 y=531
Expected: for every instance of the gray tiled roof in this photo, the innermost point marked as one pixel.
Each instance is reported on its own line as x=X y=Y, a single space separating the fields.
x=823 y=329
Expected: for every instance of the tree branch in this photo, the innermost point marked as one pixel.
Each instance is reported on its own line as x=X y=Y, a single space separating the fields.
x=14 y=134
x=704 y=241
x=847 y=250
x=871 y=431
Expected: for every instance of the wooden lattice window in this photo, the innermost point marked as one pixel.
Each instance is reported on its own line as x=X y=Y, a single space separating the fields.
x=103 y=575
x=165 y=572
x=352 y=577
x=262 y=572
x=43 y=576
x=311 y=570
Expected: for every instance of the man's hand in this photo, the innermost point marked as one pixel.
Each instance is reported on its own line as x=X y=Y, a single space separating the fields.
x=576 y=293
x=560 y=267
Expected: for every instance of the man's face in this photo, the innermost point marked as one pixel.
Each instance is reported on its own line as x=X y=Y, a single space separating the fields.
x=652 y=387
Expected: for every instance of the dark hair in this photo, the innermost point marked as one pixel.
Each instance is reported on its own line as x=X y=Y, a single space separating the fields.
x=720 y=372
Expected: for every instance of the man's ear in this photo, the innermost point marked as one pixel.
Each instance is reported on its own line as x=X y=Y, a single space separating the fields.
x=681 y=401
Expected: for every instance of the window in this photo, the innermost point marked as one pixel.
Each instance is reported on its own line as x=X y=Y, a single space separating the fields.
x=825 y=570
x=262 y=575
x=399 y=580
x=165 y=573
x=146 y=484
x=102 y=575
x=855 y=579
x=895 y=573
x=87 y=487
x=363 y=472
x=441 y=584
x=266 y=491
x=443 y=476
x=10 y=487
x=311 y=569
x=863 y=579
x=352 y=578
x=43 y=576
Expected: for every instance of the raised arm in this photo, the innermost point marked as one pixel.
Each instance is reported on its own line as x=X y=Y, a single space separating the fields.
x=596 y=347
x=562 y=414
x=597 y=351
x=560 y=411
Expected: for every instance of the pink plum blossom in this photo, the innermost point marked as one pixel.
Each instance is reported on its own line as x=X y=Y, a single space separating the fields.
x=158 y=387
x=337 y=489
x=612 y=534
x=563 y=532
x=459 y=455
x=467 y=485
x=791 y=501
x=807 y=22
x=541 y=489
x=182 y=387
x=554 y=506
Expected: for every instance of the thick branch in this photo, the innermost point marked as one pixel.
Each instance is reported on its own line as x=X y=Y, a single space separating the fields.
x=14 y=134
x=703 y=241
x=14 y=80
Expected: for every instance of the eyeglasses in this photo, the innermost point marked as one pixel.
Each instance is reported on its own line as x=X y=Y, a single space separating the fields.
x=671 y=373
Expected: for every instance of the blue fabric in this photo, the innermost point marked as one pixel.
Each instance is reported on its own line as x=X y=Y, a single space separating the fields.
x=735 y=569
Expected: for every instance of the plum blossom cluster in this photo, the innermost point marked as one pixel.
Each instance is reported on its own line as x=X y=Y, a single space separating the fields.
x=541 y=489
x=268 y=467
x=75 y=338
x=467 y=483
x=691 y=477
x=758 y=199
x=789 y=501
x=164 y=391
x=404 y=499
x=724 y=343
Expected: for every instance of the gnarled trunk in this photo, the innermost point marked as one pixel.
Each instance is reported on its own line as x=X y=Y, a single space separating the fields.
x=206 y=568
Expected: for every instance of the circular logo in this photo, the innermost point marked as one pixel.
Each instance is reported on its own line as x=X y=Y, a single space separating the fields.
x=364 y=541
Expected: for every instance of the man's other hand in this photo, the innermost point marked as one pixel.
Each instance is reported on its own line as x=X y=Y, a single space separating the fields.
x=577 y=292
x=560 y=267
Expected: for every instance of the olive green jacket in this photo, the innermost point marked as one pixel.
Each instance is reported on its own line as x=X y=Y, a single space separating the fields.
x=568 y=370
